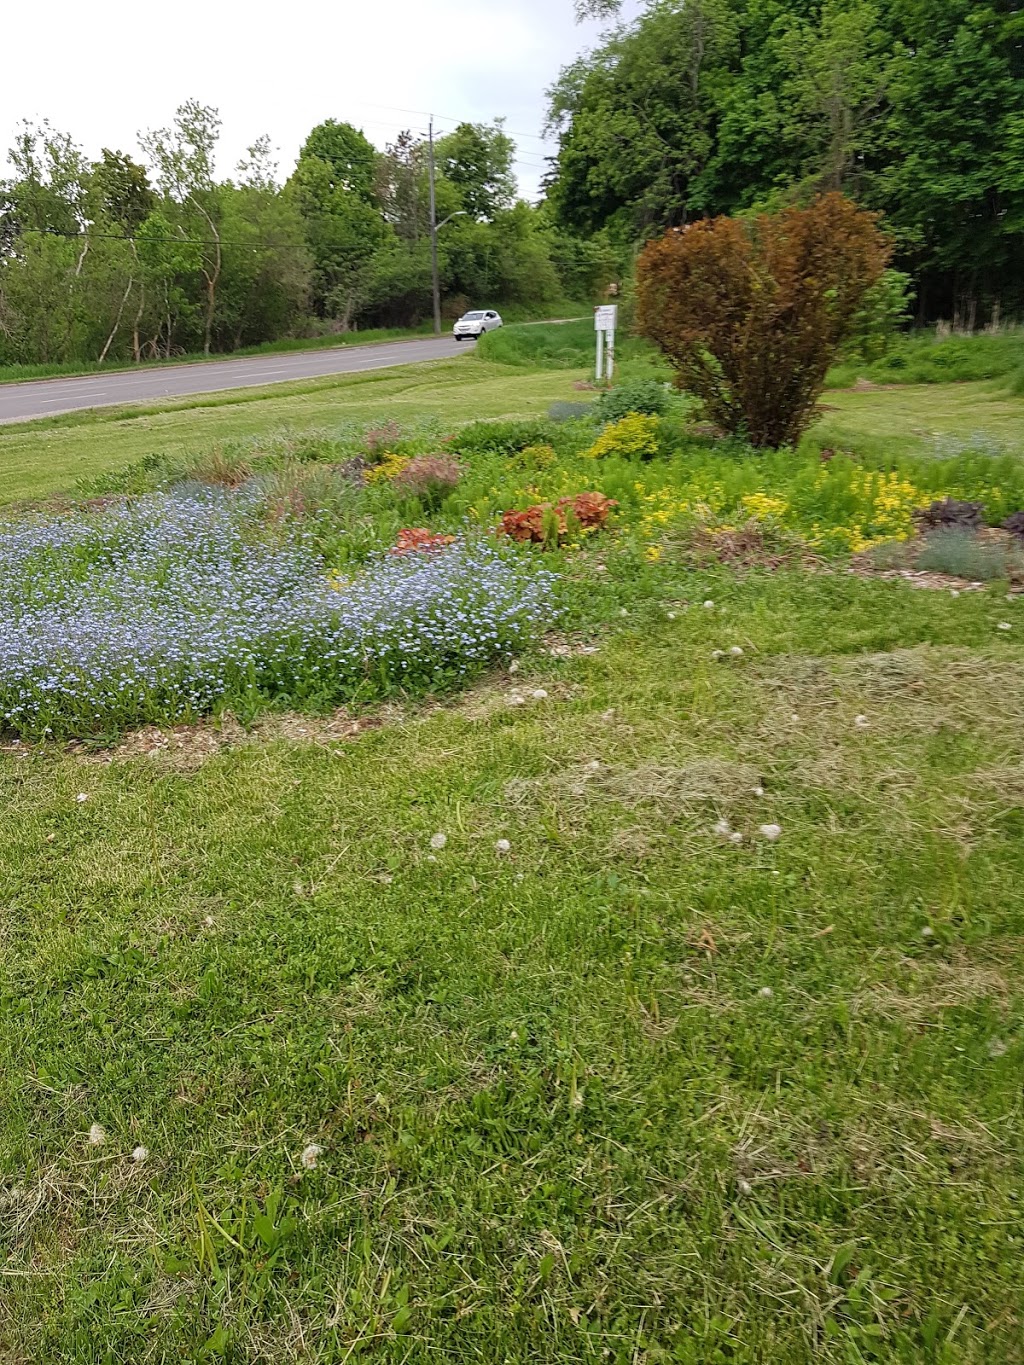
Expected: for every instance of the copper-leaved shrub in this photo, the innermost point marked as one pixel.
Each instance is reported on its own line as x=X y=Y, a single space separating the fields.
x=751 y=313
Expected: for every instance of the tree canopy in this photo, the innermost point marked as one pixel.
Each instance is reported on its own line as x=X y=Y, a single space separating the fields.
x=913 y=107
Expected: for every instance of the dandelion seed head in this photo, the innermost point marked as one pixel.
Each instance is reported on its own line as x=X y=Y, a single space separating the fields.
x=736 y=651
x=438 y=841
x=538 y=694
x=723 y=829
x=745 y=1188
x=736 y=837
x=97 y=1135
x=311 y=1154
x=502 y=846
x=766 y=992
x=139 y=1155
x=770 y=832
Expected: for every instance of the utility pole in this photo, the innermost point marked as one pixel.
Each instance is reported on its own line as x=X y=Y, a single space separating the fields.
x=435 y=279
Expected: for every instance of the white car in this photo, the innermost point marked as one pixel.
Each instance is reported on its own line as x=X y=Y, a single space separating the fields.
x=473 y=325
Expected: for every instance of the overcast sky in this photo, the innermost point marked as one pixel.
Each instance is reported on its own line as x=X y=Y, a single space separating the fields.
x=104 y=71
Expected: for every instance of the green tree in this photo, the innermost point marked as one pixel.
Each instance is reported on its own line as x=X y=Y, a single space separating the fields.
x=183 y=155
x=477 y=159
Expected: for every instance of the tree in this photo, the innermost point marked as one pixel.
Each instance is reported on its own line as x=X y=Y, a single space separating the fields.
x=349 y=155
x=344 y=229
x=120 y=191
x=637 y=120
x=751 y=313
x=183 y=155
x=477 y=159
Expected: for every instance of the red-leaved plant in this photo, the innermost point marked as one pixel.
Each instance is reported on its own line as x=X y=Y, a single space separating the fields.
x=413 y=539
x=548 y=525
x=751 y=313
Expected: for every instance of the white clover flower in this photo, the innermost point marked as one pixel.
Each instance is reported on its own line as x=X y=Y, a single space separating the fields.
x=1004 y=625
x=502 y=846
x=310 y=1155
x=745 y=1188
x=139 y=1155
x=723 y=829
x=736 y=837
x=954 y=592
x=538 y=694
x=862 y=722
x=97 y=1135
x=709 y=604
x=82 y=796
x=770 y=832
x=438 y=841
x=736 y=652
x=766 y=992
x=759 y=791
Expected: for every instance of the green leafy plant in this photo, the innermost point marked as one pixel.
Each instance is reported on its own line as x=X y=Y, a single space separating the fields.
x=501 y=437
x=642 y=395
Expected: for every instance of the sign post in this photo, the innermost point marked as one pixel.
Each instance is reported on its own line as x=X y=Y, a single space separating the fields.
x=604 y=325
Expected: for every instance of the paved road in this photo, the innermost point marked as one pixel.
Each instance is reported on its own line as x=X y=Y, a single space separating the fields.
x=46 y=397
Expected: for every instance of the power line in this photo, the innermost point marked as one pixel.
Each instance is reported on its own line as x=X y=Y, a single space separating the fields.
x=177 y=241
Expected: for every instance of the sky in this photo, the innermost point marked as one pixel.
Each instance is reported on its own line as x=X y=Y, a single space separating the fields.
x=105 y=71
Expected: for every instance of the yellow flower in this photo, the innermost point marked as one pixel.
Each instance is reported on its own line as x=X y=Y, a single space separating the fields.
x=653 y=553
x=634 y=437
x=387 y=469
x=764 y=508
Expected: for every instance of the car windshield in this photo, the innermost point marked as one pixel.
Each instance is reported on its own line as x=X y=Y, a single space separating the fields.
x=471 y=317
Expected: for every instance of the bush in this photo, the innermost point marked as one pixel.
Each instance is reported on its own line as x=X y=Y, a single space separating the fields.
x=884 y=313
x=965 y=555
x=751 y=314
x=643 y=395
x=428 y=477
x=501 y=437
x=950 y=513
x=635 y=437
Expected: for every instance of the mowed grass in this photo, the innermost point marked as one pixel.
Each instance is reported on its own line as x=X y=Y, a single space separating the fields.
x=625 y=1092
x=916 y=419
x=39 y=458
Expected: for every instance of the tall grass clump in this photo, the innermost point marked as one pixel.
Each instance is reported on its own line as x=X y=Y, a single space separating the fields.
x=927 y=358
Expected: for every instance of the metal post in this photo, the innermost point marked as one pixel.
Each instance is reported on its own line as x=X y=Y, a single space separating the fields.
x=600 y=355
x=609 y=354
x=434 y=276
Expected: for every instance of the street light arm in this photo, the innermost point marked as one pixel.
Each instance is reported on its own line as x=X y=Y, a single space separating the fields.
x=459 y=213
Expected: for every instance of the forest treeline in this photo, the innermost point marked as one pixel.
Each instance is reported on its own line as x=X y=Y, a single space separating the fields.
x=122 y=259
x=912 y=107
x=694 y=109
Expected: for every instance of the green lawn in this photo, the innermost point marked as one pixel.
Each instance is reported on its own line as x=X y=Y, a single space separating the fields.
x=913 y=419
x=37 y=458
x=624 y=1092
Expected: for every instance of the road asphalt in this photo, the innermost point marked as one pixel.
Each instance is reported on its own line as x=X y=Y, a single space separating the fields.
x=32 y=398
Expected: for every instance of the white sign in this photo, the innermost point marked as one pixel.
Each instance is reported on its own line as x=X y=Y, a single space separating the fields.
x=605 y=316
